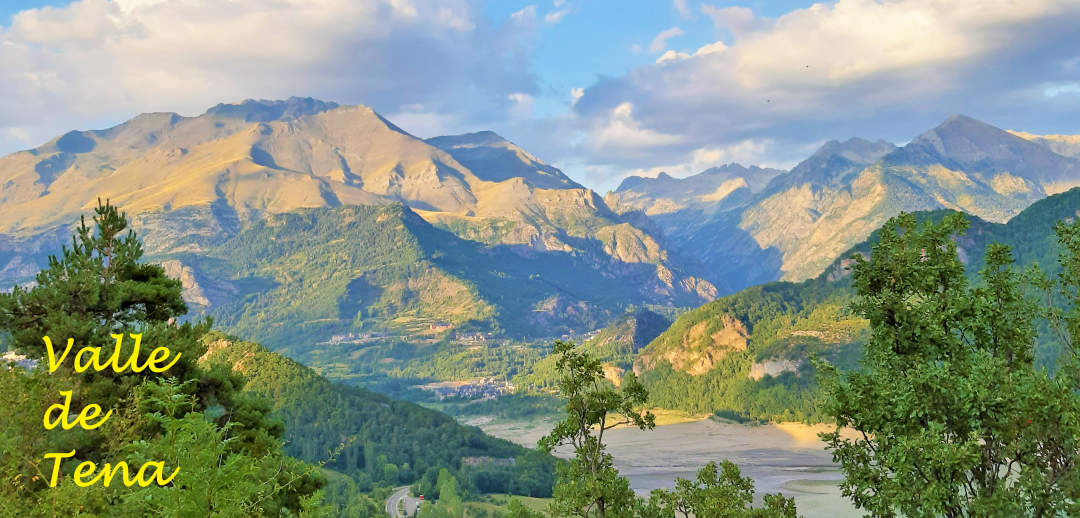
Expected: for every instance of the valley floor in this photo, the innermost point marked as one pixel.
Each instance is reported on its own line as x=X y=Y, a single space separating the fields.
x=786 y=458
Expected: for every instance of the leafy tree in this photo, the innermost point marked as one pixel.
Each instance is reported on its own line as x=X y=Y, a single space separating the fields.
x=717 y=493
x=954 y=418
x=96 y=289
x=319 y=413
x=589 y=486
x=211 y=482
x=449 y=504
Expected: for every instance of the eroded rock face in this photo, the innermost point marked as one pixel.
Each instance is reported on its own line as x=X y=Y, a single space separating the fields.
x=703 y=346
x=192 y=293
x=773 y=368
x=613 y=374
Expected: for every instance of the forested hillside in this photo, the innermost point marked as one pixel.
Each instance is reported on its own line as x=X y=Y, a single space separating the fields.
x=748 y=353
x=381 y=439
x=297 y=279
x=241 y=428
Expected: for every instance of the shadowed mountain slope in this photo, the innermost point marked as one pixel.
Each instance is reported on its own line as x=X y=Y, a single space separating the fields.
x=194 y=185
x=496 y=159
x=748 y=353
x=804 y=219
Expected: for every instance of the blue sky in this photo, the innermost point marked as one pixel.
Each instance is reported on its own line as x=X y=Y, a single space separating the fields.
x=595 y=38
x=600 y=88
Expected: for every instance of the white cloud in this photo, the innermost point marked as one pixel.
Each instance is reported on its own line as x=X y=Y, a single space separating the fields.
x=99 y=61
x=523 y=105
x=528 y=13
x=672 y=55
x=711 y=48
x=737 y=20
x=700 y=159
x=576 y=93
x=660 y=41
x=620 y=134
x=680 y=5
x=556 y=16
x=868 y=68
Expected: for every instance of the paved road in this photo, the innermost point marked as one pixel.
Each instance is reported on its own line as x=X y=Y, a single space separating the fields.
x=401 y=494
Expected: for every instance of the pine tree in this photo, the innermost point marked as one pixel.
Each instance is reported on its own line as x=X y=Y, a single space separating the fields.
x=97 y=289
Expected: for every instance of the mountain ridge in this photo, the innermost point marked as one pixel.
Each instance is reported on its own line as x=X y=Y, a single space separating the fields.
x=804 y=218
x=189 y=182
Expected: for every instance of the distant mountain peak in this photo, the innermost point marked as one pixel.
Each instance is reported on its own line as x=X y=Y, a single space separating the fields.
x=467 y=140
x=962 y=143
x=1065 y=145
x=832 y=162
x=493 y=158
x=263 y=110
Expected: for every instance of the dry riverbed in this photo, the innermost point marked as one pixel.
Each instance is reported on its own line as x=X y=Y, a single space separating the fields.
x=786 y=458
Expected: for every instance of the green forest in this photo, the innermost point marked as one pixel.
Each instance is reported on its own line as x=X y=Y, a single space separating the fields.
x=302 y=277
x=244 y=431
x=784 y=321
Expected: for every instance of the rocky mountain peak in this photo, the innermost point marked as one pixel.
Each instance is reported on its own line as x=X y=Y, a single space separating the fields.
x=961 y=143
x=493 y=158
x=262 y=110
x=833 y=162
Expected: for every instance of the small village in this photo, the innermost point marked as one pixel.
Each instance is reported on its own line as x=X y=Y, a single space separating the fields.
x=479 y=388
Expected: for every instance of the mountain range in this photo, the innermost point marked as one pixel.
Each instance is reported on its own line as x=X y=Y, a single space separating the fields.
x=748 y=353
x=201 y=188
x=301 y=222
x=802 y=220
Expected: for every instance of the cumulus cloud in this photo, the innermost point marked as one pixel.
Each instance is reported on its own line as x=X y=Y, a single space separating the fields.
x=660 y=41
x=97 y=60
x=766 y=91
x=620 y=133
x=866 y=68
x=737 y=20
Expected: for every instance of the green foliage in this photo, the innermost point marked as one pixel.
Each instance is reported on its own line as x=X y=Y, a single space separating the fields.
x=589 y=486
x=449 y=504
x=211 y=481
x=509 y=406
x=347 y=499
x=784 y=321
x=198 y=423
x=717 y=493
x=955 y=418
x=383 y=366
x=797 y=321
x=320 y=415
x=303 y=277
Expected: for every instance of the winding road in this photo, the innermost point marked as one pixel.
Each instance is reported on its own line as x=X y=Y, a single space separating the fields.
x=401 y=494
